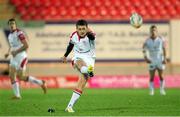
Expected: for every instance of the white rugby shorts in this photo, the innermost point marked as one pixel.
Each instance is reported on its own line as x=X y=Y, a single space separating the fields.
x=19 y=61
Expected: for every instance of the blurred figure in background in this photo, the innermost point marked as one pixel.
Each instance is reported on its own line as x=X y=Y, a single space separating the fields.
x=17 y=49
x=82 y=41
x=156 y=47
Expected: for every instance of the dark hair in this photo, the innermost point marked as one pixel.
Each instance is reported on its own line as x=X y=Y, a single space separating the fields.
x=10 y=20
x=153 y=26
x=81 y=22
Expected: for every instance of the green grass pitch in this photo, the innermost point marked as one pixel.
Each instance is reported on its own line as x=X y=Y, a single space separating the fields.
x=93 y=102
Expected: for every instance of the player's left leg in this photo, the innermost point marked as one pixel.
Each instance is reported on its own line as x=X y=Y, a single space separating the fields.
x=21 y=73
x=151 y=81
x=15 y=84
x=162 y=82
x=84 y=66
x=12 y=75
x=77 y=92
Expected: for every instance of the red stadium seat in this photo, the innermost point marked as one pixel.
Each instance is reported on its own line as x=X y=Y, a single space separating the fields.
x=20 y=9
x=26 y=3
x=98 y=3
x=72 y=12
x=31 y=11
x=102 y=11
x=88 y=3
x=62 y=11
x=36 y=17
x=15 y=2
x=82 y=11
x=26 y=17
x=113 y=12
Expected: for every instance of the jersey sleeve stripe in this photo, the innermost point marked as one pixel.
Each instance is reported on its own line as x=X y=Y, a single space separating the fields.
x=21 y=37
x=72 y=34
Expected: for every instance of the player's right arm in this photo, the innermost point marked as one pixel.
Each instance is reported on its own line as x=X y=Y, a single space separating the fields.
x=68 y=50
x=8 y=53
x=145 y=53
x=164 y=51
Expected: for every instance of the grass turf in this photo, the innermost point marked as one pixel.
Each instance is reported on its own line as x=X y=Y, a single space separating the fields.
x=93 y=102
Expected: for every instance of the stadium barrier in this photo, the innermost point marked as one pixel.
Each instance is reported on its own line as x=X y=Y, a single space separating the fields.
x=115 y=81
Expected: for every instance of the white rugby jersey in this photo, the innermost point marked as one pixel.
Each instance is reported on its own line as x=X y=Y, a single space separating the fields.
x=15 y=39
x=82 y=46
x=155 y=48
